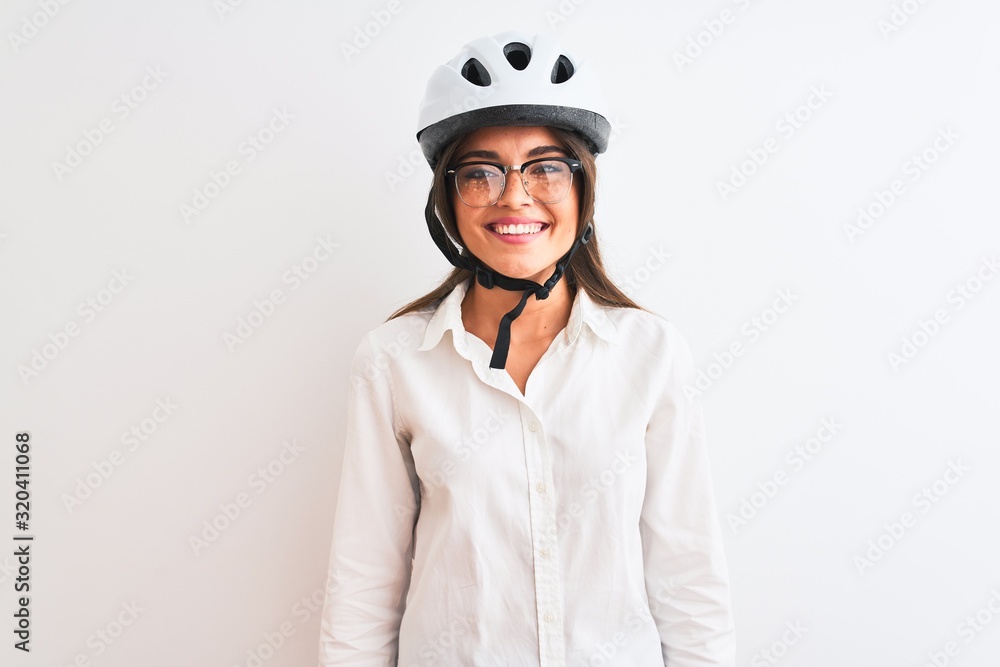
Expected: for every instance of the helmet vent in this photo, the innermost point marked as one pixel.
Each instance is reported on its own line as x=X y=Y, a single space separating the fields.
x=518 y=55
x=474 y=72
x=562 y=70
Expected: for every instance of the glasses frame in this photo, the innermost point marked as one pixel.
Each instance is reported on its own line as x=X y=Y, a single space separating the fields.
x=573 y=164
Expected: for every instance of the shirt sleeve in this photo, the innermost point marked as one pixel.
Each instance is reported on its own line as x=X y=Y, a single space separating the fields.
x=686 y=571
x=377 y=505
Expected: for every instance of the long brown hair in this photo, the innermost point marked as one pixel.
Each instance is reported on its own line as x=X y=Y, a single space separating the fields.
x=586 y=269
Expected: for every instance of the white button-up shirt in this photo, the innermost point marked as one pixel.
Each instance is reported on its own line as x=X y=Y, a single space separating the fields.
x=572 y=525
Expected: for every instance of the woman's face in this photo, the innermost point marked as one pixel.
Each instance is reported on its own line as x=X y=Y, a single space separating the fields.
x=531 y=254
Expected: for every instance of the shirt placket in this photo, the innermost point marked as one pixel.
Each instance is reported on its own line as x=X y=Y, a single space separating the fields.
x=542 y=511
x=544 y=542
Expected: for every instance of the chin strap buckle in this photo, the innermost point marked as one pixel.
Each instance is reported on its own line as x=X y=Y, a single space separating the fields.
x=543 y=291
x=484 y=278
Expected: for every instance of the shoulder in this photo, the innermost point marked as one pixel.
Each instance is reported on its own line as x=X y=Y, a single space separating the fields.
x=647 y=333
x=654 y=350
x=382 y=346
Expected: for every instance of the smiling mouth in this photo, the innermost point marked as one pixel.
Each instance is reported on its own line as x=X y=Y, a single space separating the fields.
x=518 y=230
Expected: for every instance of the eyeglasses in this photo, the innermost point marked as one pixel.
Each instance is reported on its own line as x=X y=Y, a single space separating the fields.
x=547 y=180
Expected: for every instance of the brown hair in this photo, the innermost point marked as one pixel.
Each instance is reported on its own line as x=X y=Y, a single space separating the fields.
x=586 y=269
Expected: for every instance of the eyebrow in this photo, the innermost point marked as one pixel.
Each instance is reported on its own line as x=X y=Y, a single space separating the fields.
x=534 y=152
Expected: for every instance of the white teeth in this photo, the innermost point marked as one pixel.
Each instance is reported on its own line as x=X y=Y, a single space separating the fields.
x=531 y=228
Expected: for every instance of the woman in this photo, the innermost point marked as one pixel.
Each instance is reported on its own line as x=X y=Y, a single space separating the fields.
x=535 y=494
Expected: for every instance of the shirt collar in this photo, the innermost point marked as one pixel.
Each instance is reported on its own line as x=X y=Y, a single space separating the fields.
x=448 y=315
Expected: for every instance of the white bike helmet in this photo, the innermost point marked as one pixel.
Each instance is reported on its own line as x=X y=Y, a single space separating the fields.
x=512 y=78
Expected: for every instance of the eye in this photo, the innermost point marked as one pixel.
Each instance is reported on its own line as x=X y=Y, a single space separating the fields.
x=547 y=168
x=481 y=173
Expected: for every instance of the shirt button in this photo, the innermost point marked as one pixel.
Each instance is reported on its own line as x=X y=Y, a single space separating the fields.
x=533 y=426
x=540 y=487
x=549 y=617
x=544 y=552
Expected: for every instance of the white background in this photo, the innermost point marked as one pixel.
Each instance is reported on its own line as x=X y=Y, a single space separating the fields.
x=339 y=170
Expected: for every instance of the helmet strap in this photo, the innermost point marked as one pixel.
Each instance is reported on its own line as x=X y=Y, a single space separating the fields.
x=490 y=278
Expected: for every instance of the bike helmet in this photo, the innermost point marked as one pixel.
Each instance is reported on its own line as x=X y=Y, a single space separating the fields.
x=511 y=78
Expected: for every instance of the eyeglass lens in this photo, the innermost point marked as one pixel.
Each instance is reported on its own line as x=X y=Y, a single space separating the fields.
x=546 y=182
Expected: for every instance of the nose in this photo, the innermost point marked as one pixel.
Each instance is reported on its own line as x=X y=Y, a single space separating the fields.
x=515 y=193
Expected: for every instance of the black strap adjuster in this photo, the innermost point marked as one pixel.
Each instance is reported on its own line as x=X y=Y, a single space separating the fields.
x=483 y=277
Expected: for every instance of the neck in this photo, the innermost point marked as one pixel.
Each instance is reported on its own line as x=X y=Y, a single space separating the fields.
x=483 y=308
